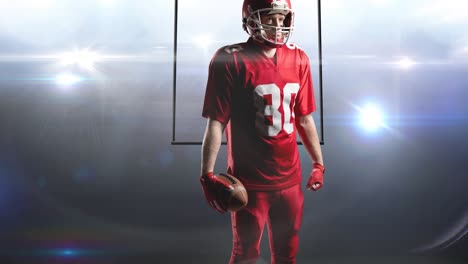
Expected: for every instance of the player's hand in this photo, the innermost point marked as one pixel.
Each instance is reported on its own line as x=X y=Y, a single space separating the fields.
x=315 y=181
x=212 y=187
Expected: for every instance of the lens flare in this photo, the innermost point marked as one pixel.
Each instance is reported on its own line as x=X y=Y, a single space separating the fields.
x=371 y=117
x=67 y=79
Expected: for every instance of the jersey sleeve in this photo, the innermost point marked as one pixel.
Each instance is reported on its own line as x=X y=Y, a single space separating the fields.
x=305 y=101
x=217 y=103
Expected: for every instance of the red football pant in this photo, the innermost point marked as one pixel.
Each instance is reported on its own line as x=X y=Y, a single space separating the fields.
x=282 y=211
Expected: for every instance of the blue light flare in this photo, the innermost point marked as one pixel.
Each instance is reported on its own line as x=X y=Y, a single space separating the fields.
x=67 y=79
x=371 y=118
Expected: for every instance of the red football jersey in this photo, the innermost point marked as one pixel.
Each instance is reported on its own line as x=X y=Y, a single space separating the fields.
x=259 y=99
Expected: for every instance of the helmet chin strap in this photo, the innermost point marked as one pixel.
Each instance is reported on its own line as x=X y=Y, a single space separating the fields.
x=272 y=45
x=262 y=37
x=265 y=43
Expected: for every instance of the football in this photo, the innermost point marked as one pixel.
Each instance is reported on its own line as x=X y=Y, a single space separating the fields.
x=235 y=199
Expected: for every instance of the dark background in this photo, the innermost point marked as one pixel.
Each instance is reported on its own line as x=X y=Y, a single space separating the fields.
x=88 y=173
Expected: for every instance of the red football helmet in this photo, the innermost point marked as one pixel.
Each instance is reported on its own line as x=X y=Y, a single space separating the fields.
x=253 y=9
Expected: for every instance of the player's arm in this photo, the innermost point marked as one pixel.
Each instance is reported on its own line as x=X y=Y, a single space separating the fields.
x=210 y=146
x=308 y=133
x=217 y=108
x=210 y=183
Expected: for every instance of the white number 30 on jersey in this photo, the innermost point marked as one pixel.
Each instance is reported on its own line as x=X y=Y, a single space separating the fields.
x=264 y=110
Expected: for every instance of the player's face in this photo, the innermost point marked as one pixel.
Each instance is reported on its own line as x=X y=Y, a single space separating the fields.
x=273 y=20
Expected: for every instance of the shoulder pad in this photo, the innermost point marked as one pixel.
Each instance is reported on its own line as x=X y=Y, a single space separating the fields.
x=233 y=48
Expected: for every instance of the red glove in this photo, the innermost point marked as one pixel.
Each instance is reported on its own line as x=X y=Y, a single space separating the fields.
x=315 y=181
x=212 y=187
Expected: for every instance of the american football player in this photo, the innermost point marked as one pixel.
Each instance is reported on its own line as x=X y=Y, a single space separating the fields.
x=260 y=93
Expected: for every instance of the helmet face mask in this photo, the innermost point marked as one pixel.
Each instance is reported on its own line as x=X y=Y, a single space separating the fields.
x=271 y=35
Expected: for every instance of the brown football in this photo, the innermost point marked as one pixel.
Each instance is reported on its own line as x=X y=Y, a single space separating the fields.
x=234 y=199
